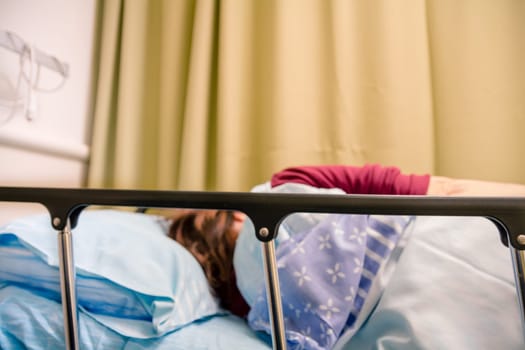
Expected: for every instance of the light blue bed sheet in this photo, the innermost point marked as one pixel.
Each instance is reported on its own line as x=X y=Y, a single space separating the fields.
x=32 y=322
x=453 y=288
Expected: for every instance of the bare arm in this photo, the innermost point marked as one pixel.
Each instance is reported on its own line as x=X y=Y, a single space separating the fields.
x=444 y=186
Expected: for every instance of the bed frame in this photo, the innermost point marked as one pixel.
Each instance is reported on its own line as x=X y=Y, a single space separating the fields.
x=266 y=210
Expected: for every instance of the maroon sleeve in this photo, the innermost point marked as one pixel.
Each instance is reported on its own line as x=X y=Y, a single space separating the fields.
x=368 y=179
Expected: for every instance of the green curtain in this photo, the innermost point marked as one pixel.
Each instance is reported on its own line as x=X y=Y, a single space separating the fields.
x=217 y=95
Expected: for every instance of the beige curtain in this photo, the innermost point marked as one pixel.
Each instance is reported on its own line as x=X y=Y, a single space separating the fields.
x=217 y=95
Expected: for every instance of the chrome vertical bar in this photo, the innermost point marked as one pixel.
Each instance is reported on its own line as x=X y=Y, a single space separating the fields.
x=67 y=287
x=274 y=295
x=518 y=263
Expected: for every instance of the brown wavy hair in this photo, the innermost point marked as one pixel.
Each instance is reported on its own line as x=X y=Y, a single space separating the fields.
x=207 y=234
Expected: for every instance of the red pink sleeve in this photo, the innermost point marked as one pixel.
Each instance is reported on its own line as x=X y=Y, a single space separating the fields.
x=368 y=179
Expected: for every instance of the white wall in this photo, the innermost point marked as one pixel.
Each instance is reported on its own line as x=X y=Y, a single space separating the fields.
x=52 y=150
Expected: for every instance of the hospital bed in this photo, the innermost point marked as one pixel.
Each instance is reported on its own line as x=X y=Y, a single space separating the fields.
x=266 y=211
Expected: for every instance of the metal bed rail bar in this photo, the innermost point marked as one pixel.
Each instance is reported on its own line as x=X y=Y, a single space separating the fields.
x=266 y=210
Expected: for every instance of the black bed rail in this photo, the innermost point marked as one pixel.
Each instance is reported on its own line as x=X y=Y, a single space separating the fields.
x=266 y=210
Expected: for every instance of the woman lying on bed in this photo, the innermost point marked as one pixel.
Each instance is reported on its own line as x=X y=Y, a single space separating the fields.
x=324 y=295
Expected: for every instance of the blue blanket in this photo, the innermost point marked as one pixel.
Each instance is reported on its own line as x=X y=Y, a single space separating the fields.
x=326 y=274
x=332 y=270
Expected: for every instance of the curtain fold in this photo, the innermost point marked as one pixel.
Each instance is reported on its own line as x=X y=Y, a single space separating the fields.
x=217 y=95
x=100 y=168
x=479 y=87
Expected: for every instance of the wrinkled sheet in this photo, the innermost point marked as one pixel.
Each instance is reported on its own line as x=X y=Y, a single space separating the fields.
x=31 y=322
x=453 y=288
